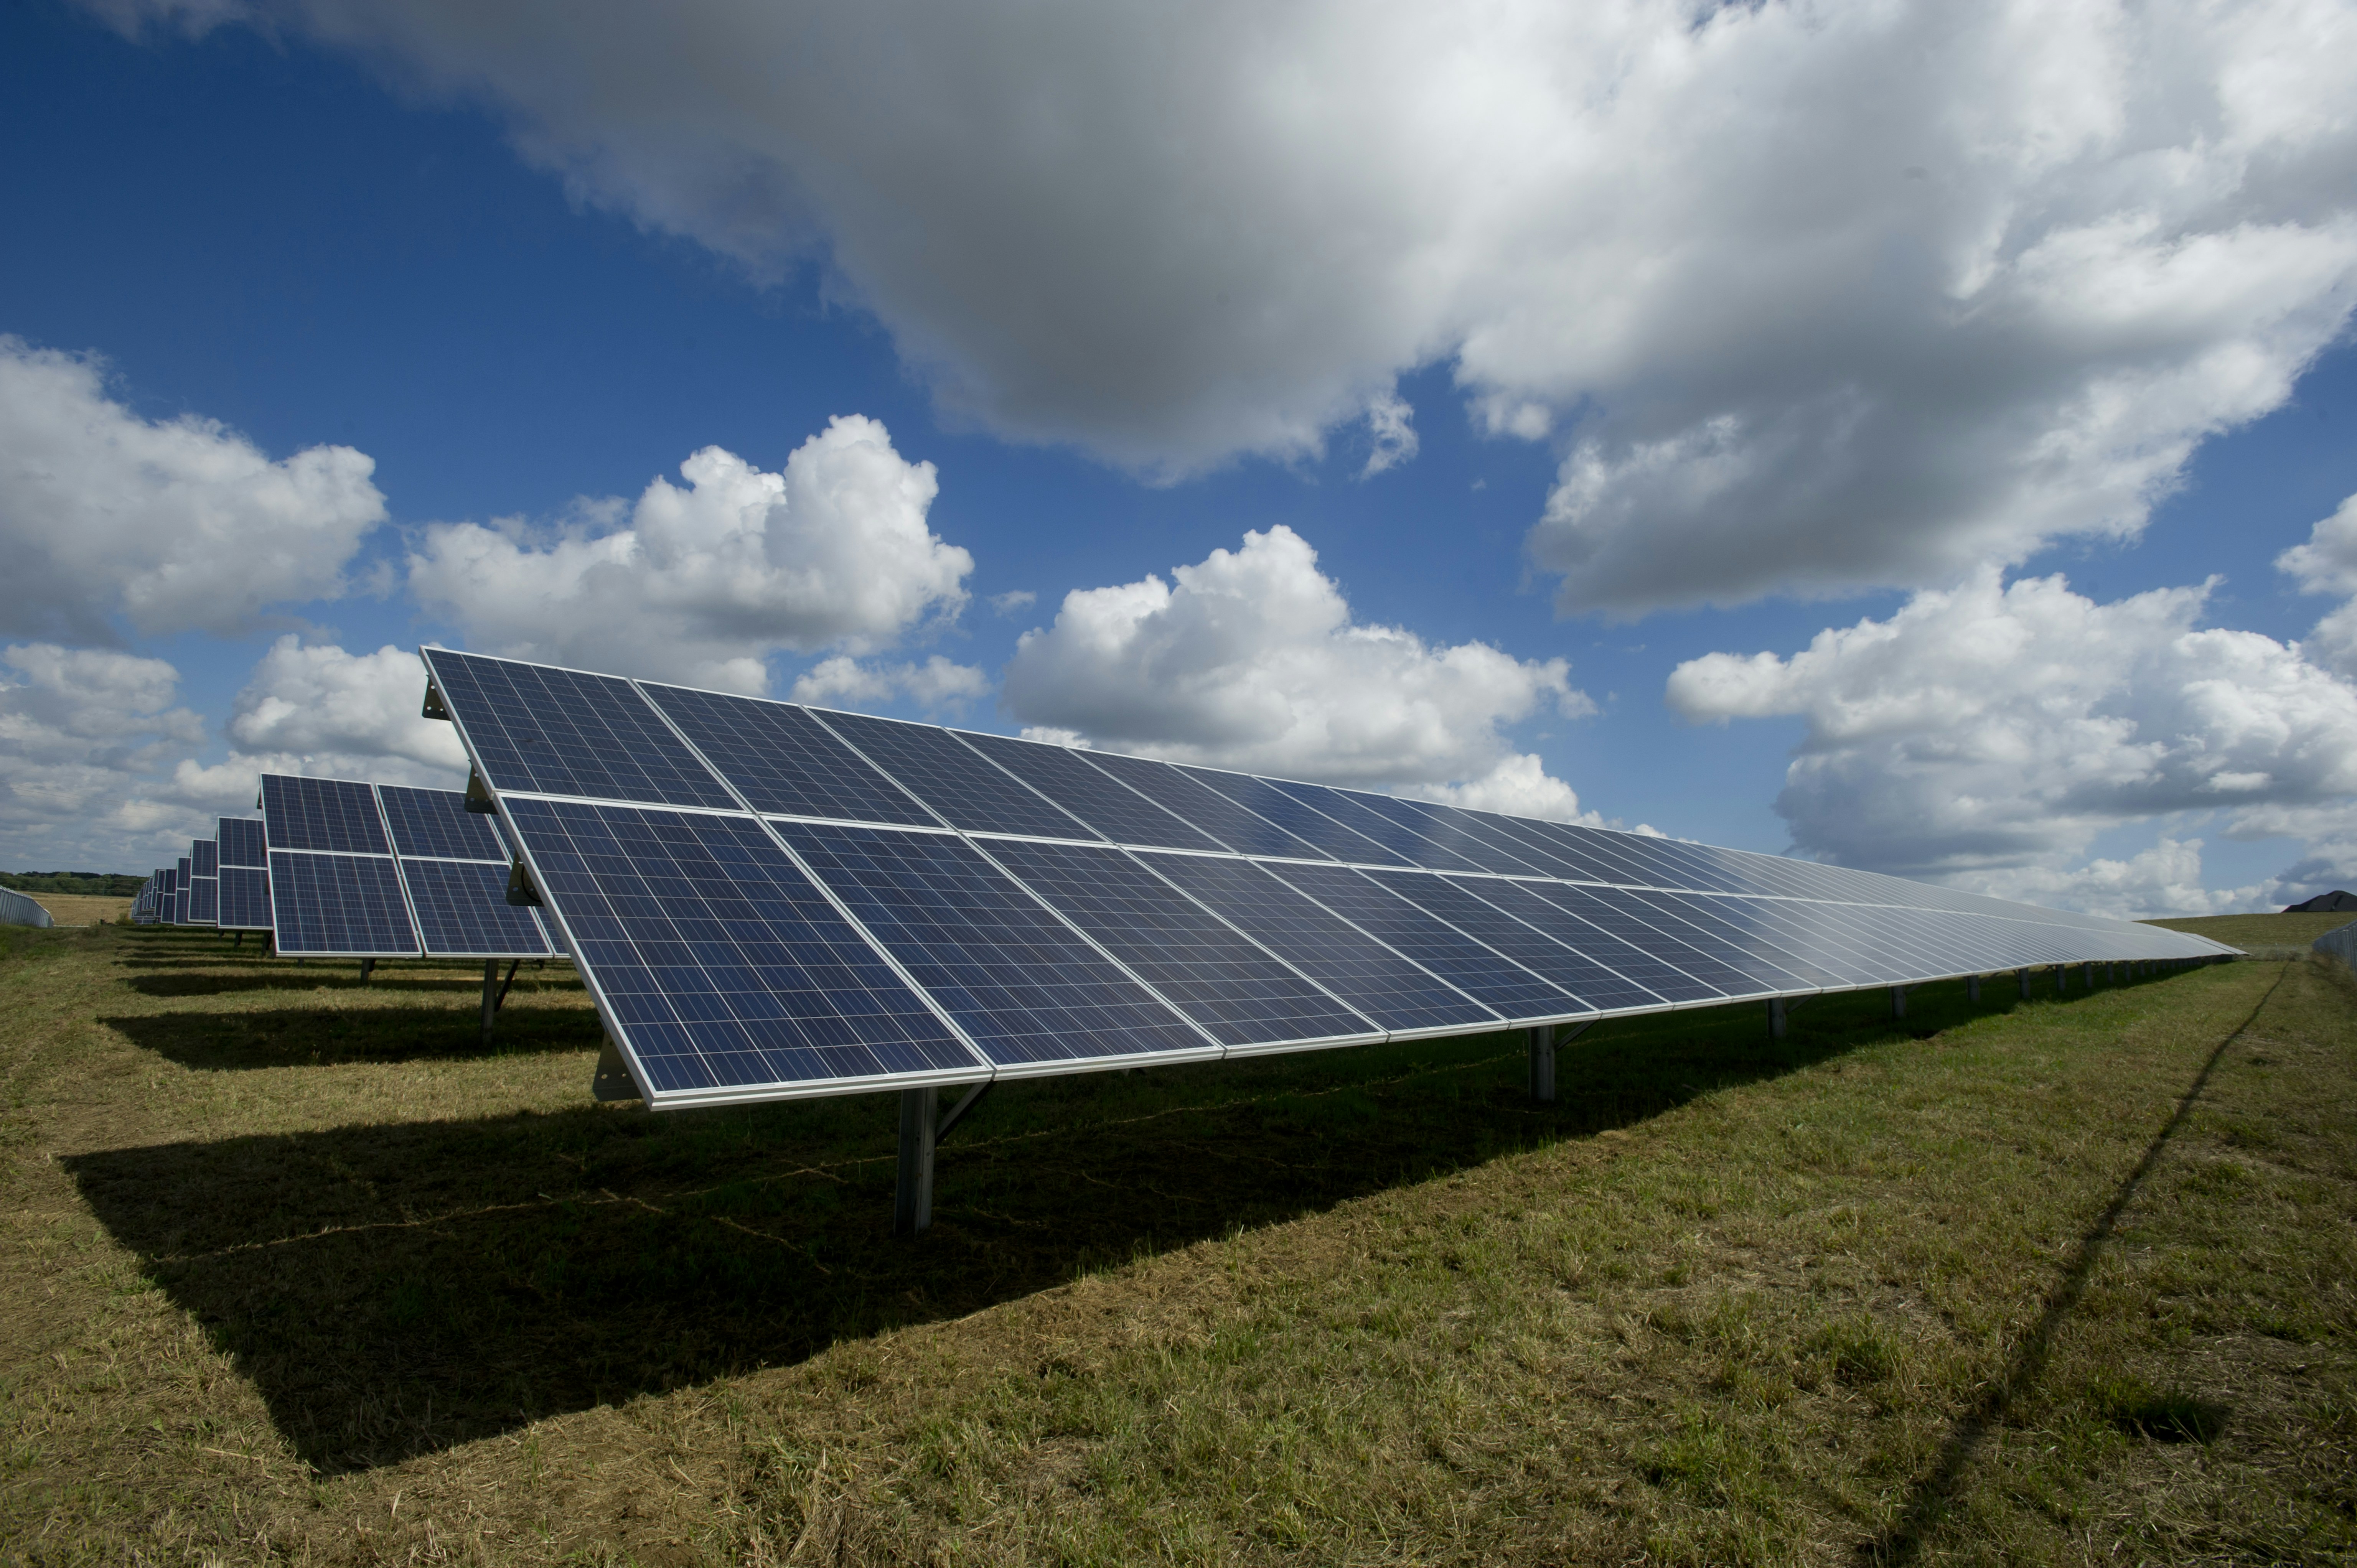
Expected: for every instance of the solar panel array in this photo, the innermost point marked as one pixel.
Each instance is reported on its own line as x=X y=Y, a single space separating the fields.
x=361 y=870
x=769 y=901
x=244 y=875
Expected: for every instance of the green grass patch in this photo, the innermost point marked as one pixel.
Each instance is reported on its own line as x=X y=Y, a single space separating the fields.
x=301 y=1269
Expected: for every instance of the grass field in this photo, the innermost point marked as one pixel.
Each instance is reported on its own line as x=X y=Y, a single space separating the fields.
x=2268 y=936
x=297 y=1270
x=80 y=909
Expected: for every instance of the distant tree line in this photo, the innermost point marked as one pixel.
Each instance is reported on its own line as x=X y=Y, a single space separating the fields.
x=97 y=884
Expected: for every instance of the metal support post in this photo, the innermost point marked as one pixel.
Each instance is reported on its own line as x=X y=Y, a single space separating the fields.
x=1972 y=988
x=1543 y=1064
x=912 y=1195
x=1776 y=1017
x=1898 y=1002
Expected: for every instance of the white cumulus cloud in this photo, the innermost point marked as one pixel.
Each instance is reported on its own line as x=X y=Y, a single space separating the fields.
x=2327 y=563
x=701 y=583
x=934 y=685
x=1814 y=295
x=174 y=525
x=1250 y=659
x=320 y=701
x=1987 y=734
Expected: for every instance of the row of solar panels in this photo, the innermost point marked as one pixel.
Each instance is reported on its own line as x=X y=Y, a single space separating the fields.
x=768 y=900
x=340 y=869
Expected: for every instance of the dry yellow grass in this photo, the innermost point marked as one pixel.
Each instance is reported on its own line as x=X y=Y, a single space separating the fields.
x=80 y=909
x=296 y=1270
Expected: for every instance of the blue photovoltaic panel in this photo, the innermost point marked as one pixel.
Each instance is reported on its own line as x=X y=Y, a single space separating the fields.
x=1112 y=808
x=339 y=906
x=1756 y=920
x=1022 y=984
x=204 y=900
x=1416 y=843
x=1206 y=809
x=1474 y=836
x=782 y=760
x=1263 y=798
x=1564 y=857
x=1503 y=986
x=204 y=858
x=333 y=814
x=1043 y=947
x=562 y=732
x=436 y=822
x=1393 y=991
x=463 y=911
x=244 y=899
x=1584 y=977
x=965 y=791
x=1745 y=951
x=724 y=968
x=1610 y=909
x=243 y=843
x=1197 y=962
x=1630 y=961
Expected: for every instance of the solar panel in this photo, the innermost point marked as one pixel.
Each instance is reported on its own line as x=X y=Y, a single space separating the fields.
x=204 y=900
x=1416 y=843
x=1206 y=811
x=1024 y=986
x=437 y=823
x=339 y=906
x=1304 y=823
x=768 y=900
x=1236 y=990
x=1585 y=976
x=1614 y=911
x=962 y=788
x=1391 y=989
x=1114 y=810
x=1497 y=982
x=338 y=815
x=245 y=898
x=454 y=865
x=782 y=760
x=564 y=731
x=243 y=843
x=334 y=892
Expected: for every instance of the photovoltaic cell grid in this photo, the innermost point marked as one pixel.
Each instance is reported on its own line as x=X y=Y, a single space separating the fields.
x=770 y=901
x=444 y=894
x=244 y=875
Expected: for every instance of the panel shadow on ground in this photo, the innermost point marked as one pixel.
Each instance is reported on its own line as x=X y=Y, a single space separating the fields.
x=392 y=1289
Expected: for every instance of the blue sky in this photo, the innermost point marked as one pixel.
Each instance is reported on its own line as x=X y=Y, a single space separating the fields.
x=315 y=227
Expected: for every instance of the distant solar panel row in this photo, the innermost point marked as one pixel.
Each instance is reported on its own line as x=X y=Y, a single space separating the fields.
x=768 y=900
x=354 y=870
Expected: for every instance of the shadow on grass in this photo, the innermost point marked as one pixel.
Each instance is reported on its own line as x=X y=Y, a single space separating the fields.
x=325 y=974
x=332 y=1037
x=392 y=1289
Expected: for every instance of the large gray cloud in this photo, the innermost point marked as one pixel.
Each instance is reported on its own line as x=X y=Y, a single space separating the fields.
x=1811 y=296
